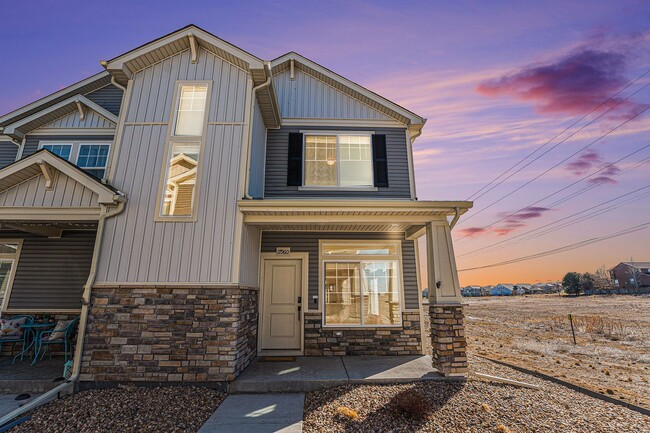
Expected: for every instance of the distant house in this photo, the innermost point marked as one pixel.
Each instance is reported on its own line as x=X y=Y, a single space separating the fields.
x=503 y=290
x=631 y=275
x=486 y=290
x=471 y=291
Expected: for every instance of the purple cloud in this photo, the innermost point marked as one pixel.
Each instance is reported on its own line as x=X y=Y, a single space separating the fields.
x=584 y=162
x=574 y=84
x=513 y=222
x=606 y=175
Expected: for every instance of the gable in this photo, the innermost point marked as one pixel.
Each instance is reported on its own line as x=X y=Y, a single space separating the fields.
x=91 y=120
x=305 y=96
x=66 y=192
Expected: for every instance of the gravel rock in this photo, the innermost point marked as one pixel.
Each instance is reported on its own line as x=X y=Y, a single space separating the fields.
x=460 y=407
x=127 y=410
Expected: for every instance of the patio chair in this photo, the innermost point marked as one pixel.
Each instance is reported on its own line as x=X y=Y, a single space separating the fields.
x=18 y=337
x=58 y=336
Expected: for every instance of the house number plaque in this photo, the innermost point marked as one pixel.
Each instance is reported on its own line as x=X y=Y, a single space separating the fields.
x=283 y=251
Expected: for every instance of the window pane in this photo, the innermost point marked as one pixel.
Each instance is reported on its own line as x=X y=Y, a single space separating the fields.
x=181 y=179
x=355 y=160
x=381 y=297
x=191 y=107
x=320 y=160
x=5 y=272
x=62 y=150
x=8 y=248
x=92 y=158
x=342 y=294
x=360 y=249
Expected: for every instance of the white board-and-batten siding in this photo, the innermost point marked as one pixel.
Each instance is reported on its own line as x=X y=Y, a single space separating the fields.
x=138 y=249
x=307 y=97
x=73 y=120
x=67 y=192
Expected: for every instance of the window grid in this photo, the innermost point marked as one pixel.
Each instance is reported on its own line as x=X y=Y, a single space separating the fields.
x=62 y=150
x=341 y=160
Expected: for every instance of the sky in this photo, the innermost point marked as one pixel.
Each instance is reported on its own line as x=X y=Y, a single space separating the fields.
x=497 y=81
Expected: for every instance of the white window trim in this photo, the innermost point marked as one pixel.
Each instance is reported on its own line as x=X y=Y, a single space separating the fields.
x=170 y=139
x=336 y=134
x=74 y=150
x=368 y=258
x=12 y=273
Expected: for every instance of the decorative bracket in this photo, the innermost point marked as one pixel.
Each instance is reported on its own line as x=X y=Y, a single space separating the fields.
x=292 y=70
x=194 y=49
x=47 y=174
x=82 y=112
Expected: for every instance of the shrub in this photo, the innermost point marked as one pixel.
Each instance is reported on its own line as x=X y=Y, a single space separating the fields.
x=571 y=283
x=412 y=404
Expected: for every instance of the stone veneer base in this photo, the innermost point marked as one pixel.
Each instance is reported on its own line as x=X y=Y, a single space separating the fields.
x=400 y=340
x=449 y=346
x=169 y=335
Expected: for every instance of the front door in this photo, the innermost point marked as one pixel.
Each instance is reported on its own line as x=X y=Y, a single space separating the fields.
x=281 y=292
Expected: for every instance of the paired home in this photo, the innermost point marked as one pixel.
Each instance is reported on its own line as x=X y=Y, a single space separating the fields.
x=197 y=207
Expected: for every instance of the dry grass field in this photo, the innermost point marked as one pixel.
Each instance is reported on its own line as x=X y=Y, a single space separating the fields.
x=612 y=354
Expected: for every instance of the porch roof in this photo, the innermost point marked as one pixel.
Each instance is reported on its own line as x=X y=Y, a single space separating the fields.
x=348 y=215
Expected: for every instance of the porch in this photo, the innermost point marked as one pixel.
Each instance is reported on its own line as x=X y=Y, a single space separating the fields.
x=309 y=373
x=22 y=378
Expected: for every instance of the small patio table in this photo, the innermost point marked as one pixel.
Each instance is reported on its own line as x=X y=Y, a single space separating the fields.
x=32 y=332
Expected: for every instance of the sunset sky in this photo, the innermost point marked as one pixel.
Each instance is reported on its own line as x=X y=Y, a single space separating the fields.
x=496 y=80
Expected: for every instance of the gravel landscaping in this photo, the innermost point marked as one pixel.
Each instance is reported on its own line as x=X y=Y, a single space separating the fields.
x=126 y=410
x=473 y=406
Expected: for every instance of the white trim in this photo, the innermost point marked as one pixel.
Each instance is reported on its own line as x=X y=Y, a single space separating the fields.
x=75 y=145
x=111 y=166
x=337 y=188
x=304 y=257
x=359 y=259
x=357 y=123
x=409 y=155
x=72 y=131
x=12 y=272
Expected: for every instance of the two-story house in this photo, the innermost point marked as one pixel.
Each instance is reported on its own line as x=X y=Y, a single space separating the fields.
x=197 y=206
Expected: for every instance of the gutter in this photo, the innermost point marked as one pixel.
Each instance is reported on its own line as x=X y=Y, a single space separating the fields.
x=455 y=220
x=68 y=385
x=267 y=83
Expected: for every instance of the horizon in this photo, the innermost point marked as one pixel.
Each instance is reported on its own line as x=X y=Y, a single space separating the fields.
x=495 y=82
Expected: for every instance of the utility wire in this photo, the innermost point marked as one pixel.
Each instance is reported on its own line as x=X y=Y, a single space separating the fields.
x=557 y=165
x=559 y=134
x=563 y=248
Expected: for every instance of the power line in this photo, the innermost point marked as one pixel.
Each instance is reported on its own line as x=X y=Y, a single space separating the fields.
x=564 y=248
x=559 y=134
x=574 y=194
x=558 y=164
x=583 y=218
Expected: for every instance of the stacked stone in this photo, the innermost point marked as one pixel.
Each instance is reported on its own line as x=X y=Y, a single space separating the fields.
x=449 y=346
x=398 y=340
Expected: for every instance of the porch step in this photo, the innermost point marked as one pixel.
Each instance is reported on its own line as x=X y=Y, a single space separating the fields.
x=307 y=374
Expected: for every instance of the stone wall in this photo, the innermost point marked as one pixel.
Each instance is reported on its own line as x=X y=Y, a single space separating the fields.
x=448 y=343
x=169 y=334
x=401 y=340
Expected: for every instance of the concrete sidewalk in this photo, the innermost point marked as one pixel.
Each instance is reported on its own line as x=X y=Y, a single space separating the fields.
x=259 y=413
x=311 y=373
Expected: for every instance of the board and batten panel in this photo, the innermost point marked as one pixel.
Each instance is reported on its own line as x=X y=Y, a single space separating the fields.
x=250 y=256
x=8 y=152
x=91 y=119
x=108 y=97
x=258 y=143
x=32 y=141
x=67 y=192
x=51 y=273
x=277 y=151
x=307 y=96
x=307 y=242
x=138 y=249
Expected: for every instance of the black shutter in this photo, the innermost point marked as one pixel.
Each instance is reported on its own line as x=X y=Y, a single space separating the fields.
x=294 y=165
x=380 y=160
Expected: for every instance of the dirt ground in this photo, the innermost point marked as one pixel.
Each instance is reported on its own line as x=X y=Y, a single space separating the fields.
x=612 y=355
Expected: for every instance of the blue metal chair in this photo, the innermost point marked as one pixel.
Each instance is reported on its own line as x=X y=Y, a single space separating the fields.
x=66 y=340
x=22 y=338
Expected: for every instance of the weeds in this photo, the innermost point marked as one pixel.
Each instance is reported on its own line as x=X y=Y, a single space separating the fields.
x=412 y=404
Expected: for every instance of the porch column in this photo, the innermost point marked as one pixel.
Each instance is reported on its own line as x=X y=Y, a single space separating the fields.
x=445 y=303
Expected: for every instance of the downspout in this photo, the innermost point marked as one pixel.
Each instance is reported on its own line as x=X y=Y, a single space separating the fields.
x=267 y=83
x=455 y=220
x=83 y=319
x=21 y=149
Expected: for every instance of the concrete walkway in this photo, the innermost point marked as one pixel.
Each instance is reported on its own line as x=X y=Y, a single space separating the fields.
x=259 y=413
x=311 y=373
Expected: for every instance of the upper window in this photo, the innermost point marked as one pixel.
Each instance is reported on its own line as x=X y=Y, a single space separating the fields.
x=184 y=151
x=338 y=161
x=362 y=284
x=9 y=252
x=91 y=157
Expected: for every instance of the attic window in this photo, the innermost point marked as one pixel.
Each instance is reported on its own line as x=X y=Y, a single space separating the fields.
x=191 y=109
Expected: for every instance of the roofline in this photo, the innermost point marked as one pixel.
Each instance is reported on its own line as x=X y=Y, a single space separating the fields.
x=292 y=55
x=25 y=108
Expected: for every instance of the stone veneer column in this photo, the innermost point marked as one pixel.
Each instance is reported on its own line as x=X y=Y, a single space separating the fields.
x=448 y=342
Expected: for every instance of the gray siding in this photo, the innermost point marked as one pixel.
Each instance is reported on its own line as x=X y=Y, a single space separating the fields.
x=258 y=142
x=250 y=256
x=277 y=146
x=31 y=144
x=51 y=273
x=109 y=97
x=8 y=151
x=138 y=249
x=306 y=96
x=307 y=242
x=73 y=120
x=67 y=192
